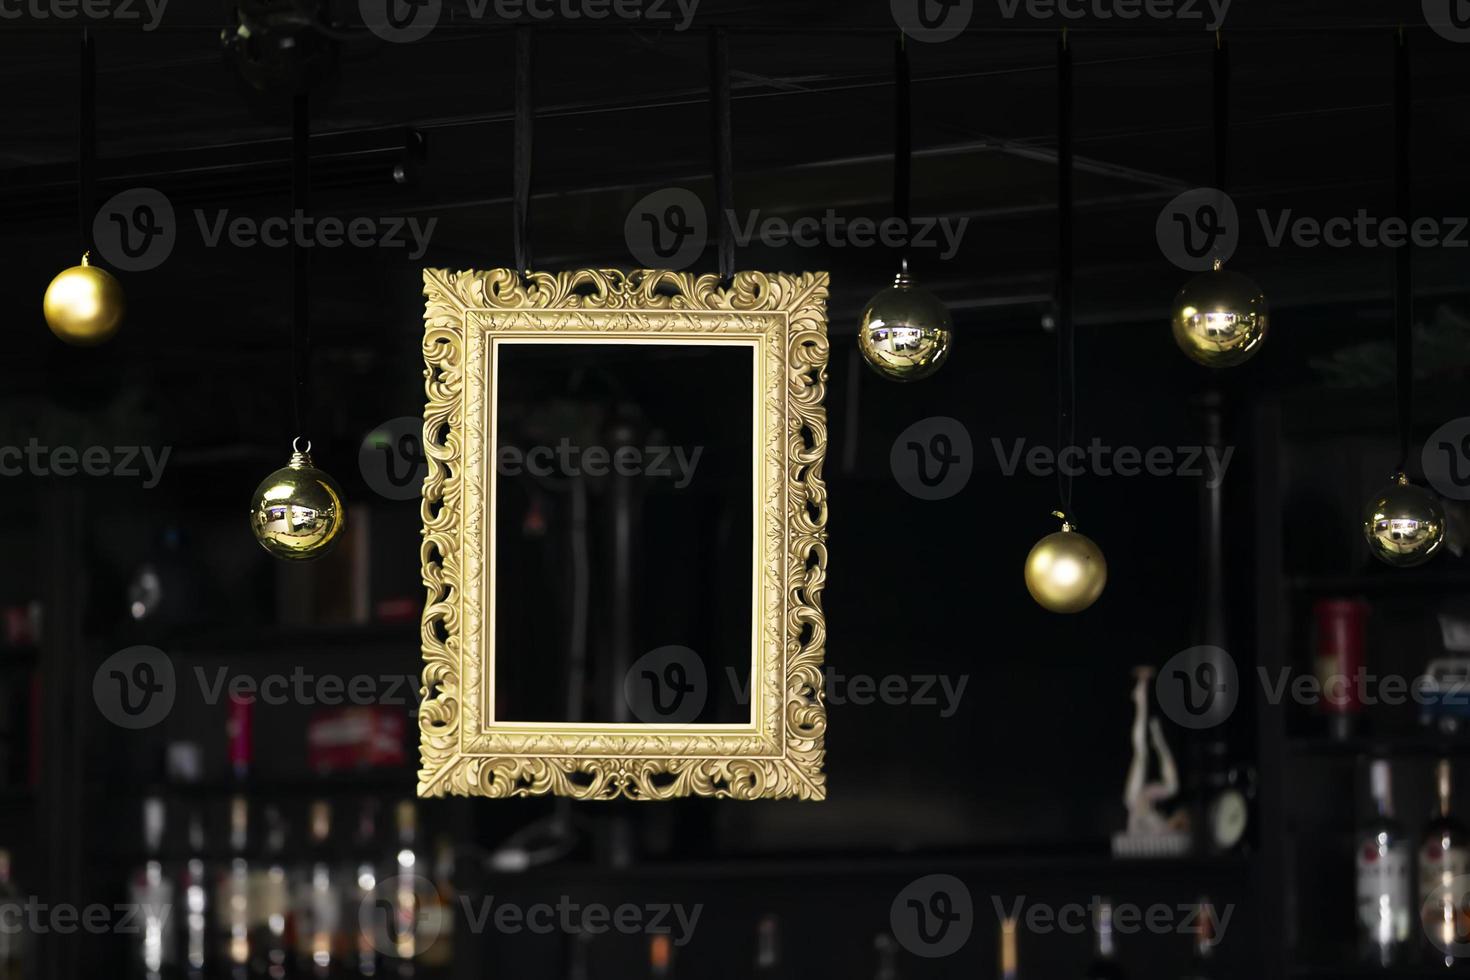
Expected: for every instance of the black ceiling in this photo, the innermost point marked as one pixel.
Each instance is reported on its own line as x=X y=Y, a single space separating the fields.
x=622 y=111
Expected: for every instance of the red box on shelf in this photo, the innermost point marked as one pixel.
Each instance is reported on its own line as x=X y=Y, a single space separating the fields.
x=357 y=737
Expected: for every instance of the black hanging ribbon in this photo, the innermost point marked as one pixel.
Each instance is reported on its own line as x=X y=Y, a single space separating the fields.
x=719 y=89
x=1403 y=305
x=1221 y=111
x=87 y=139
x=300 y=265
x=1066 y=335
x=902 y=145
x=521 y=206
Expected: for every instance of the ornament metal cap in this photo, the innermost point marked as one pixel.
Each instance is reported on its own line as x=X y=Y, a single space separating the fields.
x=300 y=458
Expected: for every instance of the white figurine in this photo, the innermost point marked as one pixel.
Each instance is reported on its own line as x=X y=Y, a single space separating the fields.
x=1150 y=833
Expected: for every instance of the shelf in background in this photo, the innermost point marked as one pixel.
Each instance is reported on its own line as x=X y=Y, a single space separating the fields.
x=22 y=657
x=1407 y=744
x=1352 y=972
x=296 y=639
x=1091 y=865
x=348 y=783
x=1440 y=580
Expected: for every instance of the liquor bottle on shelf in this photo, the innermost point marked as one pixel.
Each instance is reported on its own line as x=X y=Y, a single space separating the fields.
x=1008 y=965
x=1104 y=955
x=318 y=903
x=1444 y=855
x=16 y=949
x=660 y=958
x=768 y=947
x=887 y=951
x=577 y=955
x=437 y=952
x=270 y=902
x=194 y=888
x=1201 y=964
x=406 y=924
x=152 y=894
x=361 y=877
x=1383 y=876
x=1339 y=663
x=232 y=897
x=238 y=731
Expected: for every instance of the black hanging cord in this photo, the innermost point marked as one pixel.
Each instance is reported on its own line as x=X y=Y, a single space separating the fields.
x=87 y=140
x=300 y=265
x=903 y=136
x=1066 y=337
x=1403 y=305
x=1221 y=111
x=521 y=207
x=719 y=93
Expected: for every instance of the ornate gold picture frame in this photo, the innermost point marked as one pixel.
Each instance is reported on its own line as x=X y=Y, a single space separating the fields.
x=779 y=753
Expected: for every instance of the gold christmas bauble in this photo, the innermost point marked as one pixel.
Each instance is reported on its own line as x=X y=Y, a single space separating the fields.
x=297 y=512
x=1066 y=571
x=1219 y=318
x=905 y=333
x=1404 y=524
x=84 y=305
